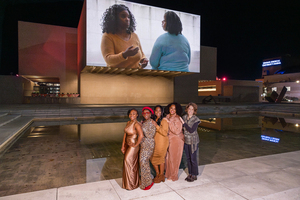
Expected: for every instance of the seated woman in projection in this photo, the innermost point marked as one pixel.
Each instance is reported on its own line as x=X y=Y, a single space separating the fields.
x=120 y=46
x=171 y=51
x=133 y=135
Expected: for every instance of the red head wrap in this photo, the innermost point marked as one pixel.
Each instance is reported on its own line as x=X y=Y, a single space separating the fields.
x=148 y=108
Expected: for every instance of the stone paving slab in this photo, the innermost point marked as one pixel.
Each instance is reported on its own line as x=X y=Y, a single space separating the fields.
x=277 y=183
x=49 y=194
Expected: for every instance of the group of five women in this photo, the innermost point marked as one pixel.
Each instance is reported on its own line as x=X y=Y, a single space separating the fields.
x=160 y=140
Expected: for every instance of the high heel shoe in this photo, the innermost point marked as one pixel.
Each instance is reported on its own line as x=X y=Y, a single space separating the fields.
x=149 y=186
x=157 y=179
x=162 y=178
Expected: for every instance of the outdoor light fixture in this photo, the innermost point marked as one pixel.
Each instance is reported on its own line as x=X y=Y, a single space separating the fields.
x=224 y=79
x=297 y=81
x=297 y=125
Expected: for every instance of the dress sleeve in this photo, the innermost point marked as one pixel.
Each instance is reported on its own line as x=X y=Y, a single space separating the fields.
x=155 y=55
x=191 y=129
x=175 y=126
x=108 y=52
x=163 y=128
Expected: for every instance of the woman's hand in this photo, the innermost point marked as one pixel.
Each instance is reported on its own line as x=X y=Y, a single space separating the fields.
x=123 y=150
x=154 y=123
x=130 y=51
x=144 y=62
x=181 y=120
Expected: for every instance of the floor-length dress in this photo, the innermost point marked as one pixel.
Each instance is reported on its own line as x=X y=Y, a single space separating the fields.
x=175 y=150
x=161 y=143
x=130 y=178
x=147 y=146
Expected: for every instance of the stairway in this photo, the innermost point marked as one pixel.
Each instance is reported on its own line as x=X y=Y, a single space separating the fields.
x=11 y=126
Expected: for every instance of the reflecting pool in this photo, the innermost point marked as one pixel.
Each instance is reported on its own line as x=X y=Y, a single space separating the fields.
x=60 y=155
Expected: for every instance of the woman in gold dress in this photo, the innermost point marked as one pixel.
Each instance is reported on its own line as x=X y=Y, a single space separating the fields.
x=133 y=136
x=176 y=141
x=147 y=147
x=161 y=144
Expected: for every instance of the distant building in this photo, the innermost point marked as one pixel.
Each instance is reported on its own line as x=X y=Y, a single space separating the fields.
x=281 y=72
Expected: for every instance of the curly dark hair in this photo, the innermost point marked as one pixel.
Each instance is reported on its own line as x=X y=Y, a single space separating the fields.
x=162 y=114
x=111 y=16
x=178 y=108
x=174 y=25
x=128 y=112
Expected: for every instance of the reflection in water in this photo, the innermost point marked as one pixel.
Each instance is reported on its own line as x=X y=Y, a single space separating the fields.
x=56 y=156
x=224 y=139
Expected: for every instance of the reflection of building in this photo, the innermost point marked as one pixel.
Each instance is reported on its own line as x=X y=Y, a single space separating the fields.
x=281 y=72
x=271 y=127
x=230 y=123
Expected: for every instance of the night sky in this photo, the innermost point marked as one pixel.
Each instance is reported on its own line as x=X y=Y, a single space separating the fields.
x=244 y=32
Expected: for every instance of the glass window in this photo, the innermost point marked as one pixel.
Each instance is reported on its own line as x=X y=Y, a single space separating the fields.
x=207 y=88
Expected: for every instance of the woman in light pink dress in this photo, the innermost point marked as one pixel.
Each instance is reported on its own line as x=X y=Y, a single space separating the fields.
x=176 y=141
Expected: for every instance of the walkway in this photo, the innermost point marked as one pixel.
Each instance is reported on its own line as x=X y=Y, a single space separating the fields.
x=273 y=177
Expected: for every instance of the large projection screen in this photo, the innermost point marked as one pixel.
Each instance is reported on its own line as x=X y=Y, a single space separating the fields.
x=148 y=28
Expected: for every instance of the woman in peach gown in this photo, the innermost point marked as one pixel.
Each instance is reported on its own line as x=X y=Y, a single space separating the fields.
x=133 y=135
x=176 y=141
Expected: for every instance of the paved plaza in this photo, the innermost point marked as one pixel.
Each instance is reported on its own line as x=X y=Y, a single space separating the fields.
x=274 y=176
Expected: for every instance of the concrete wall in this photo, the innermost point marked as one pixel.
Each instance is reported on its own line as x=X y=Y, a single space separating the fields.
x=186 y=87
x=47 y=50
x=245 y=94
x=244 y=91
x=12 y=89
x=124 y=89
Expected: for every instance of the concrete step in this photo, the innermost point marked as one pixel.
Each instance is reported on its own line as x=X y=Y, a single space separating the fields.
x=3 y=114
x=11 y=130
x=7 y=118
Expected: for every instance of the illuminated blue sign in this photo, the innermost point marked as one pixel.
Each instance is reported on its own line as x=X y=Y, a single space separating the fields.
x=271 y=63
x=270 y=139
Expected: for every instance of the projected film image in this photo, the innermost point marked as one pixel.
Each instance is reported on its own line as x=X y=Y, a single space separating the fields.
x=122 y=34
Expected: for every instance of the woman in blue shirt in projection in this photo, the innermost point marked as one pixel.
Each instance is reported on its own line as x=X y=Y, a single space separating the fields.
x=171 y=51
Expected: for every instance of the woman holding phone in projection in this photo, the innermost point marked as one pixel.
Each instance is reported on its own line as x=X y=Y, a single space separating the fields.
x=171 y=50
x=120 y=46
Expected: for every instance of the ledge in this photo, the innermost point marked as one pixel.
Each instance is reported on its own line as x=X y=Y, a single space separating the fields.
x=130 y=71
